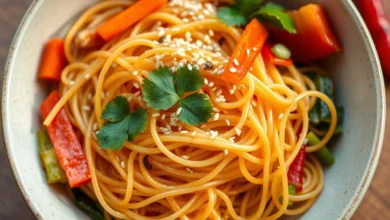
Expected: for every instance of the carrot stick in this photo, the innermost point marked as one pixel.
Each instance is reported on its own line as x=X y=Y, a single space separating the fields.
x=53 y=60
x=128 y=17
x=246 y=51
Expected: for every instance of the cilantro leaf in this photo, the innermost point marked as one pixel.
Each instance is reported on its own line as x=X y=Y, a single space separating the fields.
x=137 y=123
x=274 y=14
x=116 y=110
x=161 y=84
x=122 y=124
x=188 y=80
x=196 y=109
x=247 y=6
x=231 y=16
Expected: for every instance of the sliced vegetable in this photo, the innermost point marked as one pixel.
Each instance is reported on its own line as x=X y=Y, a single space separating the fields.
x=295 y=171
x=270 y=58
x=53 y=169
x=53 y=61
x=314 y=38
x=324 y=155
x=87 y=205
x=292 y=190
x=66 y=143
x=246 y=51
x=128 y=17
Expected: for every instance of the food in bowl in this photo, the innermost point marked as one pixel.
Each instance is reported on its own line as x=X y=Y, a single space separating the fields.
x=190 y=109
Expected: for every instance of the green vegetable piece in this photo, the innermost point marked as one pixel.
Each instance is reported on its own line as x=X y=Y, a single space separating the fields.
x=116 y=110
x=88 y=206
x=196 y=109
x=314 y=114
x=324 y=155
x=281 y=51
x=247 y=7
x=292 y=190
x=120 y=126
x=231 y=16
x=44 y=142
x=274 y=14
x=161 y=84
x=54 y=171
x=188 y=80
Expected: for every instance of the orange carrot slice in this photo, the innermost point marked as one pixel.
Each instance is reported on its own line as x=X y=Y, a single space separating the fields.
x=246 y=51
x=128 y=17
x=53 y=60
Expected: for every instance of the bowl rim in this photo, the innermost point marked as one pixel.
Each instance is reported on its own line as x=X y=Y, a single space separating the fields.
x=364 y=182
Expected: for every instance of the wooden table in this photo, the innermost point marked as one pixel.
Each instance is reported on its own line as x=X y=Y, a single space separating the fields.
x=376 y=204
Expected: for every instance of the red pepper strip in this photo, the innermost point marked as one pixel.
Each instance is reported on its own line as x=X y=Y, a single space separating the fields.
x=270 y=58
x=246 y=51
x=53 y=61
x=314 y=38
x=378 y=23
x=66 y=144
x=295 y=171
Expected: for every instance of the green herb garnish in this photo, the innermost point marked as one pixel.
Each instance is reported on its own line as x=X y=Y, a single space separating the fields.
x=242 y=11
x=165 y=89
x=121 y=124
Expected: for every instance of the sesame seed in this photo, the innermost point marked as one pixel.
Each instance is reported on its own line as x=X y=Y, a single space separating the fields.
x=254 y=49
x=168 y=132
x=206 y=81
x=254 y=103
x=280 y=116
x=136 y=85
x=189 y=170
x=211 y=32
x=175 y=29
x=163 y=117
x=179 y=128
x=216 y=116
x=86 y=108
x=122 y=164
x=135 y=73
x=211 y=84
x=189 y=67
x=214 y=89
x=305 y=141
x=186 y=20
x=193 y=133
x=215 y=109
x=156 y=115
x=237 y=130
x=233 y=70
x=71 y=83
x=183 y=132
x=185 y=157
x=219 y=92
x=95 y=126
x=137 y=93
x=178 y=111
x=231 y=139
x=201 y=61
x=86 y=76
x=235 y=61
x=248 y=52
x=227 y=122
x=226 y=152
x=213 y=134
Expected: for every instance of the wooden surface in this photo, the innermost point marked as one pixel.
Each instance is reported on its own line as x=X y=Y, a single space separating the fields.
x=376 y=203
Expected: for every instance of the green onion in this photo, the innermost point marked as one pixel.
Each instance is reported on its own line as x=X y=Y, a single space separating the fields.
x=281 y=51
x=87 y=205
x=324 y=155
x=292 y=190
x=54 y=171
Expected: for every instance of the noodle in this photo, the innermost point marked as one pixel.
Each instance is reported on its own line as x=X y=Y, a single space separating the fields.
x=241 y=173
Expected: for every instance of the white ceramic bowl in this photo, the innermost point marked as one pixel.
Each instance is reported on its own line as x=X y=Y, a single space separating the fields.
x=355 y=70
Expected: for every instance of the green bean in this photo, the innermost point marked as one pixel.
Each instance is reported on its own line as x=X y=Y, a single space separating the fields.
x=324 y=155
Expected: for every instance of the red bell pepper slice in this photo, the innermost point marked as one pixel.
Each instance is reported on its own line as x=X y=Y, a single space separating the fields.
x=246 y=51
x=314 y=38
x=66 y=144
x=295 y=171
x=270 y=58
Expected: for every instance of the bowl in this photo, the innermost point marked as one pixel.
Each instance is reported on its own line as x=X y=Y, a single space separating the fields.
x=355 y=70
